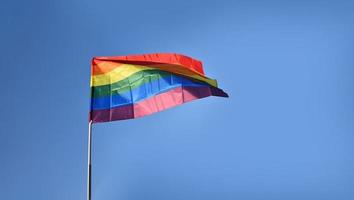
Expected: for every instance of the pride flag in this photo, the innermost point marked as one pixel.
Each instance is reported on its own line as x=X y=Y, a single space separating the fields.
x=126 y=87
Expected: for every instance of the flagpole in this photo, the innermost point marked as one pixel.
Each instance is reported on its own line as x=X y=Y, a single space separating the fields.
x=89 y=143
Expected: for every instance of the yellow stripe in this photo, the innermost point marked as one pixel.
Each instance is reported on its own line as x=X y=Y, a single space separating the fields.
x=119 y=73
x=125 y=70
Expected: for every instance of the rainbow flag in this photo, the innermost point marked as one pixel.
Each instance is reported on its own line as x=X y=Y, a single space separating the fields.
x=126 y=87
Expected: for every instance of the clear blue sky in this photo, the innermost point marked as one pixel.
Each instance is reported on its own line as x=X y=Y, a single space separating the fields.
x=286 y=132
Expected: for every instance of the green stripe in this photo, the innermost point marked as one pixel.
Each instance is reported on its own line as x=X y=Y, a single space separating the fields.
x=131 y=82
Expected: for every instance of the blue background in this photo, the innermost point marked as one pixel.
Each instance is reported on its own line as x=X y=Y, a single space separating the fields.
x=287 y=131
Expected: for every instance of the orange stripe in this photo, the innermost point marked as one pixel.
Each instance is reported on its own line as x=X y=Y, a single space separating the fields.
x=120 y=71
x=151 y=60
x=102 y=67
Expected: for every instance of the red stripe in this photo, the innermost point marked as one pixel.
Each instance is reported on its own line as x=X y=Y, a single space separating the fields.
x=155 y=59
x=156 y=103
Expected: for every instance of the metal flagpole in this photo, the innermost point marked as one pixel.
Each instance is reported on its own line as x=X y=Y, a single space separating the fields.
x=89 y=181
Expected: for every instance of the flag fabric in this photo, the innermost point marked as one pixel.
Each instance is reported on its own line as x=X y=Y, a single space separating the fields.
x=126 y=87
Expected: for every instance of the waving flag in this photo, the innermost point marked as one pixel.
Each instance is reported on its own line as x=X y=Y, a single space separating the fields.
x=126 y=87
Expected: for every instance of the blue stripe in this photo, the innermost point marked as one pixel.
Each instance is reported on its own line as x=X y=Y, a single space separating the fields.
x=143 y=92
